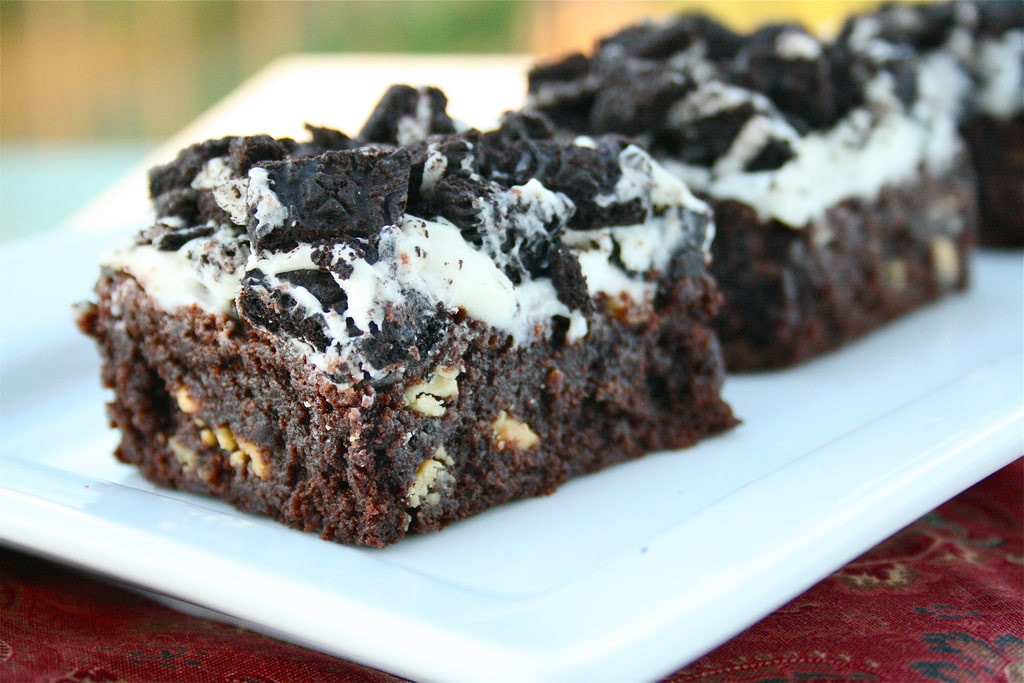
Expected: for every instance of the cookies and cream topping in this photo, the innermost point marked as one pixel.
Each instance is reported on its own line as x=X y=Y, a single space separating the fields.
x=779 y=119
x=362 y=256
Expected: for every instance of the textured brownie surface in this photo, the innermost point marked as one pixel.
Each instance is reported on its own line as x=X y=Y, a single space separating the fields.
x=861 y=265
x=369 y=338
x=997 y=149
x=835 y=172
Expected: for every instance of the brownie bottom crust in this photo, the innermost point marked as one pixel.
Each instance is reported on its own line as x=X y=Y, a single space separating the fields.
x=207 y=404
x=997 y=149
x=791 y=294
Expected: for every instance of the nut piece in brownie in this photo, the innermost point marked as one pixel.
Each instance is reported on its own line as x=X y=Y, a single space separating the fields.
x=367 y=338
x=985 y=39
x=837 y=178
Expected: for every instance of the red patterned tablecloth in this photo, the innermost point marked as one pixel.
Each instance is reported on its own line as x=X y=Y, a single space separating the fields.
x=942 y=600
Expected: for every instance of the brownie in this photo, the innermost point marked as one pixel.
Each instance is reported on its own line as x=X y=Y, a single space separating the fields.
x=997 y=150
x=374 y=336
x=986 y=41
x=836 y=175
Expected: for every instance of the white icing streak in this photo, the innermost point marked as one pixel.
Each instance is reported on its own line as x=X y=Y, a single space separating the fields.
x=416 y=128
x=206 y=271
x=270 y=213
x=643 y=178
x=433 y=170
x=875 y=145
x=432 y=257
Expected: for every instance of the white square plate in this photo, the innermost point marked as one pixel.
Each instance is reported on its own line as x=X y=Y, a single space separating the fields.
x=625 y=574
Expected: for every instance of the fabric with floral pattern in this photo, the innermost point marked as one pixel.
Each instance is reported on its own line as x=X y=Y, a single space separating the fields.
x=942 y=600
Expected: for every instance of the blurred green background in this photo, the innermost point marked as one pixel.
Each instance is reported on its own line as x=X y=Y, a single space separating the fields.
x=88 y=88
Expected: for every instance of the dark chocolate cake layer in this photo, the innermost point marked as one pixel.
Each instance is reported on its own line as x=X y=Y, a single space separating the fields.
x=369 y=338
x=211 y=405
x=795 y=294
x=997 y=149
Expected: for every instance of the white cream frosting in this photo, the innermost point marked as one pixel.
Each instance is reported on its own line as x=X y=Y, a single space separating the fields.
x=433 y=170
x=432 y=257
x=641 y=248
x=205 y=271
x=999 y=64
x=643 y=177
x=872 y=146
x=417 y=127
x=268 y=210
x=797 y=45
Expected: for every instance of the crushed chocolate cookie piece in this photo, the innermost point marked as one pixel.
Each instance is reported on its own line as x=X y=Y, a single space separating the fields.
x=178 y=203
x=324 y=140
x=461 y=201
x=319 y=283
x=655 y=42
x=174 y=238
x=799 y=81
x=995 y=17
x=326 y=257
x=637 y=97
x=448 y=156
x=567 y=277
x=703 y=141
x=343 y=196
x=570 y=68
x=570 y=107
x=410 y=337
x=405 y=115
x=209 y=210
x=772 y=156
x=179 y=174
x=275 y=310
x=246 y=152
x=583 y=174
x=525 y=125
x=170 y=185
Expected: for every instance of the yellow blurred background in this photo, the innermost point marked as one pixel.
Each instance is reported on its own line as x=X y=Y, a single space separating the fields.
x=88 y=88
x=141 y=70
